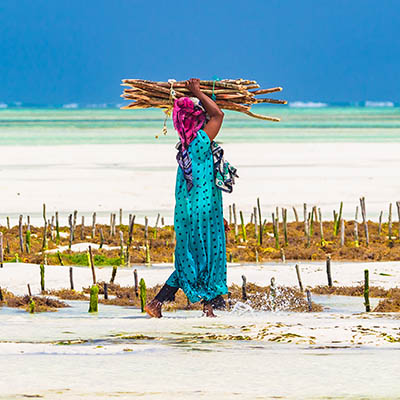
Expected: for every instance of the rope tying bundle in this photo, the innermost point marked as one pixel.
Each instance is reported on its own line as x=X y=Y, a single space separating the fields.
x=168 y=111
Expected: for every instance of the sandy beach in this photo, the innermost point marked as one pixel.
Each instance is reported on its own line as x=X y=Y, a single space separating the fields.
x=140 y=178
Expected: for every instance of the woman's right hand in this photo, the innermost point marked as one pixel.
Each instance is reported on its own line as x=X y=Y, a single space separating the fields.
x=193 y=85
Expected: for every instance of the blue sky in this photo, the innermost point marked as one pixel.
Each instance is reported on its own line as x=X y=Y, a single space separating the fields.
x=60 y=51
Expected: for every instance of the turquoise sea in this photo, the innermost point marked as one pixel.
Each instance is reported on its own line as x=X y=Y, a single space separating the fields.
x=60 y=126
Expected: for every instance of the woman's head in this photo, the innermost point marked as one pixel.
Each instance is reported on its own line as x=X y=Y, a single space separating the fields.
x=188 y=116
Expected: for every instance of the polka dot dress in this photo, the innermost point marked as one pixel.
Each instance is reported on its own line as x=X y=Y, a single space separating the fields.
x=200 y=255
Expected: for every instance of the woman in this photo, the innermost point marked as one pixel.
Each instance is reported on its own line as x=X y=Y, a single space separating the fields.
x=200 y=255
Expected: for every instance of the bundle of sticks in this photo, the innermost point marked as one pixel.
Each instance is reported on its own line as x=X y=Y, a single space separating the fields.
x=230 y=94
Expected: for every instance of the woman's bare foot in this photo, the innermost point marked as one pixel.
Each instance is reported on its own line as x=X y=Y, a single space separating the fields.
x=208 y=311
x=154 y=308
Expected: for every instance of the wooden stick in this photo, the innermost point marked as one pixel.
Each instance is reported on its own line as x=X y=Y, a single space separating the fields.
x=71 y=278
x=366 y=291
x=328 y=270
x=1 y=250
x=92 y=265
x=244 y=289
x=398 y=215
x=356 y=241
x=21 y=240
x=260 y=234
x=235 y=221
x=309 y=301
x=296 y=217
x=93 y=225
x=299 y=277
x=390 y=222
x=342 y=232
x=364 y=216
x=83 y=228
x=135 y=275
x=284 y=217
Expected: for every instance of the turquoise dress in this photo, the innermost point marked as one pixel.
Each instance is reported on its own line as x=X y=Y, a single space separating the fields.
x=200 y=254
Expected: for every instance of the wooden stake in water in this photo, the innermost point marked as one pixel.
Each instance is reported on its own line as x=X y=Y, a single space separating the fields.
x=299 y=277
x=93 y=225
x=44 y=244
x=296 y=216
x=105 y=291
x=91 y=263
x=83 y=228
x=398 y=216
x=390 y=222
x=230 y=215
x=284 y=218
x=71 y=231
x=244 y=289
x=59 y=258
x=121 y=246
x=311 y=224
x=305 y=213
x=74 y=224
x=29 y=290
x=101 y=238
x=338 y=219
x=356 y=241
x=51 y=223
x=342 y=232
x=94 y=299
x=28 y=235
x=142 y=286
x=365 y=222
x=44 y=213
x=113 y=230
x=272 y=289
x=275 y=228
x=156 y=226
x=113 y=273
x=57 y=230
x=1 y=250
x=366 y=291
x=71 y=278
x=235 y=221
x=120 y=217
x=244 y=235
x=321 y=228
x=309 y=301
x=255 y=222
x=328 y=270
x=380 y=223
x=21 y=240
x=42 y=278
x=131 y=225
x=135 y=276
x=8 y=223
x=148 y=260
x=260 y=228
x=146 y=228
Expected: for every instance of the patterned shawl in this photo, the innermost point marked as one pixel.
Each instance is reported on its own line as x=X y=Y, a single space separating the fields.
x=189 y=117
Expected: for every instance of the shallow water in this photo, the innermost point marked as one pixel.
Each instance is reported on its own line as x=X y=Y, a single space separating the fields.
x=120 y=353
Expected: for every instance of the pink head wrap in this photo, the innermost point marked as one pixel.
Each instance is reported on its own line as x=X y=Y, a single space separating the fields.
x=188 y=119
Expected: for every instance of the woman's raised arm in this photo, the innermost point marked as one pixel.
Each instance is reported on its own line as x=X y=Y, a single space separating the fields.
x=214 y=112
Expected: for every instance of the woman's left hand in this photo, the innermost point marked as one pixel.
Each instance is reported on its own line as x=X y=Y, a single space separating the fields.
x=226 y=226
